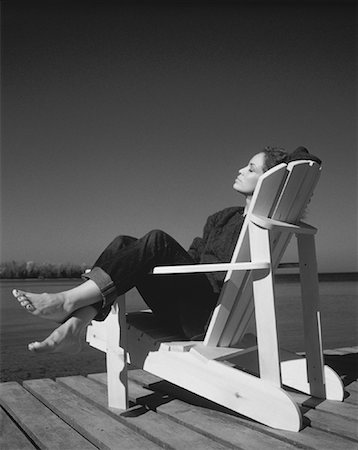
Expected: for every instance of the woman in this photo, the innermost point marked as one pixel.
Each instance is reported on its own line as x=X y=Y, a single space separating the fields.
x=183 y=302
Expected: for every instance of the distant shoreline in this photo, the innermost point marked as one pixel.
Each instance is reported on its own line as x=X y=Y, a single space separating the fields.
x=32 y=269
x=42 y=279
x=286 y=277
x=325 y=276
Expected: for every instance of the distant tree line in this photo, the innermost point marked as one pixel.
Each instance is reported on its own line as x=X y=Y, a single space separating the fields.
x=30 y=269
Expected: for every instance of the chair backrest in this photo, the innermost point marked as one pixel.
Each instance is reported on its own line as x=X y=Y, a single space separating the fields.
x=282 y=193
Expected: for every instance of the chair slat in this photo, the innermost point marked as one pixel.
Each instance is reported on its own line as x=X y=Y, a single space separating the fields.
x=235 y=283
x=282 y=193
x=307 y=175
x=291 y=204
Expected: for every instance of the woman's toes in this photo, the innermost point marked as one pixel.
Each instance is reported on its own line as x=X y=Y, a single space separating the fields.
x=29 y=307
x=45 y=306
x=32 y=347
x=41 y=347
x=45 y=346
x=20 y=296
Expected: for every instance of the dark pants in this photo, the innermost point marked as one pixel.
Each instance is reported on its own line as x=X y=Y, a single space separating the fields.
x=182 y=301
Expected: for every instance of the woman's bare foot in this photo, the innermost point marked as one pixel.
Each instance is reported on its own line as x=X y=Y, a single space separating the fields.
x=60 y=340
x=59 y=306
x=47 y=306
x=68 y=337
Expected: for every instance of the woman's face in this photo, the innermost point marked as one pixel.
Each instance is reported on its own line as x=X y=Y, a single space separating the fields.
x=246 y=181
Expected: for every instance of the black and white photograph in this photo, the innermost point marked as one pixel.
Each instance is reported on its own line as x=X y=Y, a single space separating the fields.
x=178 y=232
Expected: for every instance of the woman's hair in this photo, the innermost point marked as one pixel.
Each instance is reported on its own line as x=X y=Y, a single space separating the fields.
x=277 y=155
x=274 y=156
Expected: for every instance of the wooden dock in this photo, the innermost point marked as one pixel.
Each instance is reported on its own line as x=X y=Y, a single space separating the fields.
x=71 y=413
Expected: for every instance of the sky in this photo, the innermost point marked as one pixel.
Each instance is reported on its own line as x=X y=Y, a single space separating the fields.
x=119 y=118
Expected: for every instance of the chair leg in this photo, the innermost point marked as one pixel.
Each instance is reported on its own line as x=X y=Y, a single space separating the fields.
x=311 y=314
x=266 y=328
x=117 y=356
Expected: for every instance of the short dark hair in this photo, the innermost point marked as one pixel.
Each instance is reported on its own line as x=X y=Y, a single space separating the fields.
x=274 y=156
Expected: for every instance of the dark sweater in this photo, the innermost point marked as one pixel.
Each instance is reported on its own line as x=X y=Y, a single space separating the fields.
x=220 y=236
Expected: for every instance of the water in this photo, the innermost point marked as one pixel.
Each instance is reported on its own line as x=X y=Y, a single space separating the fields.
x=18 y=328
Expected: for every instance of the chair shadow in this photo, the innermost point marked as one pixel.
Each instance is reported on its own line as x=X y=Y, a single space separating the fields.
x=346 y=366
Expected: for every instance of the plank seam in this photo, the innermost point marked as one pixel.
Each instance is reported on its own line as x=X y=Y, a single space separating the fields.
x=19 y=427
x=120 y=417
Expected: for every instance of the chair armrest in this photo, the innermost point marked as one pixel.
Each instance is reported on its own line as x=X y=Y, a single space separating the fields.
x=221 y=267
x=271 y=224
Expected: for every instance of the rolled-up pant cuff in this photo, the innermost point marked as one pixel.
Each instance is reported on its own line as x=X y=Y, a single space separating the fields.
x=107 y=288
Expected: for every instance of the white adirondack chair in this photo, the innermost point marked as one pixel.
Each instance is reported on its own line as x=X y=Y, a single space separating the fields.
x=248 y=380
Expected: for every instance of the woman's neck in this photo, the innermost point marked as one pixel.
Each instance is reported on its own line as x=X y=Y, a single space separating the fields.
x=248 y=201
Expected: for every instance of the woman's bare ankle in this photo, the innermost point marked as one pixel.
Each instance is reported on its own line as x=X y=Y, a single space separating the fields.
x=86 y=294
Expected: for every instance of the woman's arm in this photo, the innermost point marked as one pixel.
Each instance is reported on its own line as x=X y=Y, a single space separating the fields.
x=197 y=247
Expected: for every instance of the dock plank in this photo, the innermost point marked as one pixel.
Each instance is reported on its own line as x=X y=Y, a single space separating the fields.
x=259 y=436
x=222 y=424
x=99 y=428
x=237 y=436
x=352 y=397
x=44 y=427
x=352 y=387
x=312 y=437
x=160 y=429
x=11 y=437
x=343 y=409
x=336 y=351
x=345 y=350
x=341 y=426
x=72 y=412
